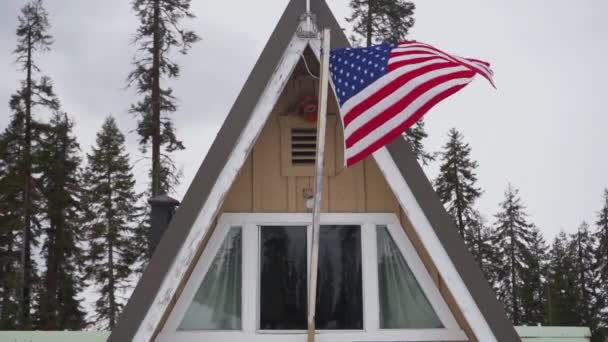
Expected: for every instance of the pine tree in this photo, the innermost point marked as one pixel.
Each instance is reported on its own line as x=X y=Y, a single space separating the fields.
x=480 y=246
x=11 y=187
x=534 y=282
x=562 y=292
x=601 y=257
x=35 y=91
x=111 y=216
x=382 y=20
x=58 y=303
x=582 y=246
x=456 y=183
x=512 y=240
x=158 y=34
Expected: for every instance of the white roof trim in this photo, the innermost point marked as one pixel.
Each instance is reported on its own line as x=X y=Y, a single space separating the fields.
x=208 y=212
x=433 y=245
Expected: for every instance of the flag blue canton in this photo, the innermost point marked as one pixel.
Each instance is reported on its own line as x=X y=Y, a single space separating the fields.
x=353 y=69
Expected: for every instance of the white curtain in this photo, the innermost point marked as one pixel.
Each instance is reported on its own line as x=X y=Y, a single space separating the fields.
x=403 y=305
x=217 y=303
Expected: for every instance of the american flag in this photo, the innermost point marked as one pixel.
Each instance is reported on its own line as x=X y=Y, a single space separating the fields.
x=383 y=90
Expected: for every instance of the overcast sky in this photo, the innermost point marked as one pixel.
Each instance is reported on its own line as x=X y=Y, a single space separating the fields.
x=543 y=130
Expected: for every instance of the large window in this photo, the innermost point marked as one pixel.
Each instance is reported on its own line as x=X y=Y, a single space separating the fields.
x=251 y=283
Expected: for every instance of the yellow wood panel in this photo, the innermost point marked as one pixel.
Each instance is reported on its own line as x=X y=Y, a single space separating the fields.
x=292 y=200
x=240 y=196
x=269 y=187
x=346 y=191
x=378 y=195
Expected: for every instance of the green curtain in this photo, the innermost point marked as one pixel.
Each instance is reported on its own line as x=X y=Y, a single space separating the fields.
x=217 y=303
x=403 y=305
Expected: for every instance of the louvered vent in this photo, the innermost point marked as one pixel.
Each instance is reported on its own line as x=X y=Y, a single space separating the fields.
x=303 y=146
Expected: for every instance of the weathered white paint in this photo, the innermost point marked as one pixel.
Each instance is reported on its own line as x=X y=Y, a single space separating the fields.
x=251 y=287
x=433 y=245
x=216 y=197
x=553 y=332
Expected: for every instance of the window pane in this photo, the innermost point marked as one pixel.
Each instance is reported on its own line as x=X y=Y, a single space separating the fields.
x=217 y=303
x=283 y=284
x=339 y=289
x=403 y=305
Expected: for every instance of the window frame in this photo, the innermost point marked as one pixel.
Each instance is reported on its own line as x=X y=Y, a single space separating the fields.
x=250 y=224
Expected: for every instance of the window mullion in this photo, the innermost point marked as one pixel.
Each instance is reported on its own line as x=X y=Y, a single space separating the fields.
x=250 y=278
x=370 y=278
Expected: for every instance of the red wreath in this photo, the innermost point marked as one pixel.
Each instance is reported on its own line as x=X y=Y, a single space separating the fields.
x=309 y=107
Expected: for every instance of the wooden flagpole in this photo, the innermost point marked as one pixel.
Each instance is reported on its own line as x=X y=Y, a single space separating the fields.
x=318 y=191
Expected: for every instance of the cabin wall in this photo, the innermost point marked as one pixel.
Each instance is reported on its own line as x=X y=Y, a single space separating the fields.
x=262 y=187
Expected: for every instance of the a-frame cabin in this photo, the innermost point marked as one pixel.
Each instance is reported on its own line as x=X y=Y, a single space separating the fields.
x=233 y=263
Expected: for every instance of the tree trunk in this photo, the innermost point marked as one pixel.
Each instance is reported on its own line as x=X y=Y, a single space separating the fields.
x=459 y=218
x=156 y=141
x=370 y=18
x=514 y=278
x=110 y=238
x=582 y=280
x=27 y=198
x=7 y=270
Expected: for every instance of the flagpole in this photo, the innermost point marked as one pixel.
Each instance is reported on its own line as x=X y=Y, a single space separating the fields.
x=318 y=191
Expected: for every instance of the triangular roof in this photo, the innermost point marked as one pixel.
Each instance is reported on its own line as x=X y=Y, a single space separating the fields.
x=143 y=315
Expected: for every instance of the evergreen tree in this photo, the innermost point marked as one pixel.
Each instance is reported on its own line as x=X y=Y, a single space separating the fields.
x=456 y=183
x=582 y=246
x=601 y=256
x=533 y=291
x=382 y=20
x=35 y=91
x=562 y=292
x=512 y=240
x=11 y=187
x=415 y=135
x=111 y=215
x=158 y=34
x=58 y=303
x=480 y=246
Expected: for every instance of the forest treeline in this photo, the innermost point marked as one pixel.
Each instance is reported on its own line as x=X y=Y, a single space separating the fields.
x=72 y=219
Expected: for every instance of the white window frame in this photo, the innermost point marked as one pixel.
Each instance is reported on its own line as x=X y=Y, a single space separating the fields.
x=250 y=224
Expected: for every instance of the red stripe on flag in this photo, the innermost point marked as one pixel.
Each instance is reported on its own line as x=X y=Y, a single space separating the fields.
x=397 y=131
x=389 y=89
x=402 y=104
